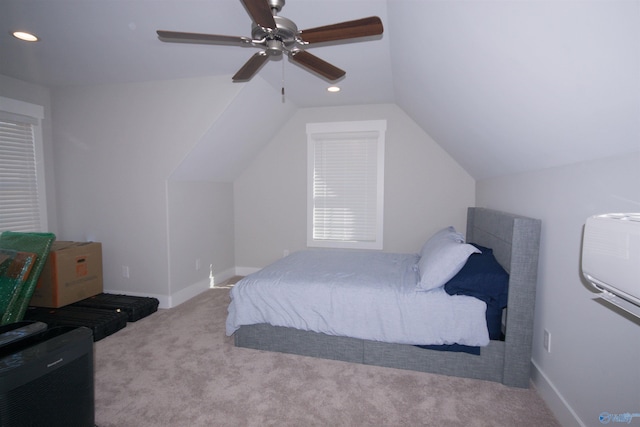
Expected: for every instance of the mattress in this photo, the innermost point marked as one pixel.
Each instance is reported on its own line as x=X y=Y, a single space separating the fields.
x=359 y=294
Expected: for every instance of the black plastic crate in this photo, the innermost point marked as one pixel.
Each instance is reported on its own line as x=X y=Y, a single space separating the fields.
x=102 y=322
x=135 y=307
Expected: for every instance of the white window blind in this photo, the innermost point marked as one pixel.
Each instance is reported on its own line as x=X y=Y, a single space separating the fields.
x=346 y=166
x=20 y=200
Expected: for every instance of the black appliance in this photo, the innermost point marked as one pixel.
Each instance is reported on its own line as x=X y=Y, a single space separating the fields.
x=46 y=376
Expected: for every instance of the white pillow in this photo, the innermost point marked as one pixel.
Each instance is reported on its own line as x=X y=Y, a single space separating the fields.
x=448 y=233
x=442 y=261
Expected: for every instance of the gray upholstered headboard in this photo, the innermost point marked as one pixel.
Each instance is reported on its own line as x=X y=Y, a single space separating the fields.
x=515 y=241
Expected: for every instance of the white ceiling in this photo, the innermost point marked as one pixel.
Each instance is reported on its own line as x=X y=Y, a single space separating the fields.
x=504 y=86
x=114 y=41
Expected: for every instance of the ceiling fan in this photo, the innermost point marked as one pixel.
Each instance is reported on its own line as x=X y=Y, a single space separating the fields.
x=277 y=35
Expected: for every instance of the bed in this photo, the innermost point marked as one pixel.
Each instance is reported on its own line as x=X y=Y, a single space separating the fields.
x=514 y=241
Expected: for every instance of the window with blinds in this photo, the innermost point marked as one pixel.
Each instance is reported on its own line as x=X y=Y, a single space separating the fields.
x=20 y=189
x=346 y=184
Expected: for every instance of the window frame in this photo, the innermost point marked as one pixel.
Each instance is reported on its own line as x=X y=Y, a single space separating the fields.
x=315 y=132
x=33 y=114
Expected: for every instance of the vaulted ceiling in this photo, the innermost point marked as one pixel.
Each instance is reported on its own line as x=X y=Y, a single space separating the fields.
x=504 y=86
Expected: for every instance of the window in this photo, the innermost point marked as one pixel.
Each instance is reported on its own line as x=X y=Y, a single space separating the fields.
x=22 y=206
x=345 y=184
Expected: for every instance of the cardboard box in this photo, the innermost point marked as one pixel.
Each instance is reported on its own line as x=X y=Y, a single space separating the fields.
x=73 y=272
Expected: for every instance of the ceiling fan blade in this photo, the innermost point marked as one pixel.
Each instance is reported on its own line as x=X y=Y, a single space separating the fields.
x=260 y=13
x=371 y=26
x=317 y=65
x=180 y=37
x=251 y=67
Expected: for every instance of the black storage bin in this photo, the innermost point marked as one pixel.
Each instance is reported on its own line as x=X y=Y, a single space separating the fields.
x=135 y=307
x=102 y=322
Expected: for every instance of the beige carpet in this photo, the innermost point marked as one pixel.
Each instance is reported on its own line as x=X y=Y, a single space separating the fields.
x=177 y=368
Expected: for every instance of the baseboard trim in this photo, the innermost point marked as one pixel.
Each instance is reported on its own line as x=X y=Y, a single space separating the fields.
x=561 y=409
x=196 y=289
x=223 y=276
x=191 y=291
x=173 y=300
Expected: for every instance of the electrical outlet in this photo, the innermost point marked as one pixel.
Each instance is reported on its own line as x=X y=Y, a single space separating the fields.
x=198 y=264
x=285 y=253
x=547 y=341
x=125 y=271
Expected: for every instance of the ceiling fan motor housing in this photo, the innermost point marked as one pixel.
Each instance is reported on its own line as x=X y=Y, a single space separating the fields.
x=282 y=38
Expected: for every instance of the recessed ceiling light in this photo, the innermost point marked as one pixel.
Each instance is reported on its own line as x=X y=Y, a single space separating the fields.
x=333 y=89
x=28 y=37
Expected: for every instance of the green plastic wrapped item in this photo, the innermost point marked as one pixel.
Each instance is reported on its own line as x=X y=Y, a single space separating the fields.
x=14 y=271
x=6 y=258
x=29 y=243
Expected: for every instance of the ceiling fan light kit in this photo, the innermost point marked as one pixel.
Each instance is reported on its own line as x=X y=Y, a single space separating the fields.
x=277 y=35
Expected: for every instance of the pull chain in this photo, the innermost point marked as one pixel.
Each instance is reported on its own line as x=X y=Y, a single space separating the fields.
x=282 y=91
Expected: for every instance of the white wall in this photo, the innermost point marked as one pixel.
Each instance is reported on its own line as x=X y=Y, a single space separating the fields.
x=593 y=363
x=200 y=236
x=38 y=95
x=115 y=147
x=425 y=189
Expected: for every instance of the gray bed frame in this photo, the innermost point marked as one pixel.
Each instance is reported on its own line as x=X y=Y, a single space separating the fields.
x=515 y=241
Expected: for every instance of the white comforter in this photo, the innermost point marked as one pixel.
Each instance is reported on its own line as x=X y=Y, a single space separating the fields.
x=368 y=295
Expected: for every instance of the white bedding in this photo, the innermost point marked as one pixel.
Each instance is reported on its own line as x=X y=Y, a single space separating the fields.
x=360 y=294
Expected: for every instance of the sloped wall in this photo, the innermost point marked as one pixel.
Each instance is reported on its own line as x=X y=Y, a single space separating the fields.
x=514 y=86
x=248 y=122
